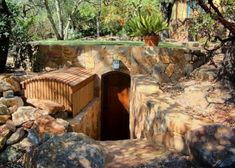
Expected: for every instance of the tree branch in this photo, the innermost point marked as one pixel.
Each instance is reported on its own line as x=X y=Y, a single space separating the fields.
x=217 y=15
x=49 y=16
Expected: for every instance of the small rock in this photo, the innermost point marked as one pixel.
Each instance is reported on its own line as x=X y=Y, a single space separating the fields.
x=3 y=110
x=63 y=122
x=25 y=113
x=4 y=118
x=50 y=106
x=28 y=124
x=47 y=124
x=4 y=86
x=4 y=134
x=8 y=94
x=10 y=102
x=60 y=114
x=16 y=137
x=15 y=85
x=68 y=150
x=212 y=146
x=10 y=125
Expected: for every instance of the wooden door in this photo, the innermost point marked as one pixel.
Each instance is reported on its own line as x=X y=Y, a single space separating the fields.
x=115 y=106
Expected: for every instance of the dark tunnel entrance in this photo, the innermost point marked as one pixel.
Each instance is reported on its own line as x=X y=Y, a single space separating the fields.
x=115 y=106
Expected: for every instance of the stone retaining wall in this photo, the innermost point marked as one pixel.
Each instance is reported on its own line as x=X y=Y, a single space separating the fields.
x=165 y=64
x=88 y=120
x=159 y=117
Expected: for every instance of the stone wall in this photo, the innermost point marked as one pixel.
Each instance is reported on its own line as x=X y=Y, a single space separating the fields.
x=165 y=64
x=88 y=120
x=155 y=115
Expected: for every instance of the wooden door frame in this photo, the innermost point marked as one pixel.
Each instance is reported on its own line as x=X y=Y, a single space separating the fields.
x=102 y=95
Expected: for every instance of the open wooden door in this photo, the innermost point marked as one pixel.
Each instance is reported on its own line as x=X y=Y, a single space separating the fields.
x=115 y=106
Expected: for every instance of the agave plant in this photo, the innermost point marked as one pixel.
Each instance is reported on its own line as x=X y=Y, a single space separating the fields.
x=146 y=24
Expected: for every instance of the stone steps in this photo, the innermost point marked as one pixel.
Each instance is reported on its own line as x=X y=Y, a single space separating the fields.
x=130 y=153
x=137 y=153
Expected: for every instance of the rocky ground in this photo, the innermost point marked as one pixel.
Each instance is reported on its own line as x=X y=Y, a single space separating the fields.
x=205 y=97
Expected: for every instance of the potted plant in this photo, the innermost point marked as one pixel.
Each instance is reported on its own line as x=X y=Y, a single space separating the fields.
x=147 y=25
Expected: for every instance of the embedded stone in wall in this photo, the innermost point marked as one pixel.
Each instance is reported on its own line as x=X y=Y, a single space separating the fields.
x=55 y=51
x=43 y=49
x=165 y=59
x=86 y=59
x=170 y=69
x=135 y=59
x=69 y=51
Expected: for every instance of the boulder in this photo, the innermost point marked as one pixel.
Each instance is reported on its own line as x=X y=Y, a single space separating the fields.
x=11 y=102
x=4 y=134
x=47 y=105
x=16 y=136
x=212 y=146
x=11 y=154
x=3 y=109
x=68 y=150
x=15 y=152
x=26 y=113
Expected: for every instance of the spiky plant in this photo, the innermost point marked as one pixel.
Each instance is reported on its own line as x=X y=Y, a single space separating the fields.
x=146 y=24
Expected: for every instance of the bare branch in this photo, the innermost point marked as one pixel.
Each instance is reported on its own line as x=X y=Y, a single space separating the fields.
x=217 y=15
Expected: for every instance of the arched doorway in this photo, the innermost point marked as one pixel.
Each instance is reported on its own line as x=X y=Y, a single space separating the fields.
x=115 y=106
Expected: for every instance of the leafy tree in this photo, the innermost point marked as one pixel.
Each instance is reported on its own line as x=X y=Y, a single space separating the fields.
x=5 y=27
x=166 y=8
x=223 y=13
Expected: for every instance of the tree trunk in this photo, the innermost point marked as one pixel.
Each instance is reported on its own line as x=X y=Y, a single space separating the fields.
x=4 y=34
x=49 y=16
x=70 y=19
x=98 y=19
x=61 y=22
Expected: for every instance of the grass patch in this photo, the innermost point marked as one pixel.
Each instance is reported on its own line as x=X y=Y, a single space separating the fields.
x=169 y=45
x=100 y=42
x=89 y=42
